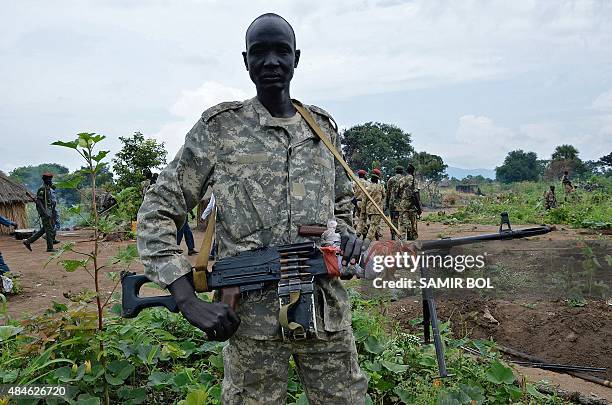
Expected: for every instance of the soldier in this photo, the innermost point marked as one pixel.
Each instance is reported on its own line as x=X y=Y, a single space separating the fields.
x=408 y=207
x=567 y=184
x=270 y=174
x=44 y=206
x=550 y=200
x=377 y=192
x=391 y=201
x=362 y=218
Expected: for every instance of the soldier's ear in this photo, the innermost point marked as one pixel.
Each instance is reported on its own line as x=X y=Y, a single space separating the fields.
x=244 y=57
x=297 y=58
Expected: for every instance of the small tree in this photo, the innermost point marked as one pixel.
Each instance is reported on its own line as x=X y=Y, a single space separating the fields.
x=90 y=261
x=371 y=144
x=518 y=166
x=137 y=153
x=431 y=169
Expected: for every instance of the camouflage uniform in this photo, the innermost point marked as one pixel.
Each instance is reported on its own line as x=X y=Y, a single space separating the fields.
x=408 y=211
x=47 y=228
x=377 y=191
x=392 y=201
x=568 y=188
x=362 y=223
x=550 y=200
x=269 y=176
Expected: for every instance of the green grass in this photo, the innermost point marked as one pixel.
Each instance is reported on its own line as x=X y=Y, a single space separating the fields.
x=524 y=204
x=159 y=357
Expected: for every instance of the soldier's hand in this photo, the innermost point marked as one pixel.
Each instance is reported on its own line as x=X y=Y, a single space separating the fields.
x=351 y=248
x=217 y=320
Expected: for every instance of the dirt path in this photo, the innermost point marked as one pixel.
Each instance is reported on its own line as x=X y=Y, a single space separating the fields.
x=43 y=285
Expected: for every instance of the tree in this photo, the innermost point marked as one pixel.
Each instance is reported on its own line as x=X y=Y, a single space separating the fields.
x=370 y=142
x=31 y=178
x=564 y=158
x=565 y=152
x=136 y=154
x=104 y=177
x=518 y=166
x=429 y=167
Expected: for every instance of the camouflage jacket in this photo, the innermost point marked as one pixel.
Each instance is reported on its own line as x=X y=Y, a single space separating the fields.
x=269 y=176
x=406 y=188
x=358 y=193
x=549 y=196
x=45 y=197
x=377 y=192
x=392 y=186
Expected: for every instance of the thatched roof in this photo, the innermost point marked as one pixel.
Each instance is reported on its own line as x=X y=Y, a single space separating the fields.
x=11 y=192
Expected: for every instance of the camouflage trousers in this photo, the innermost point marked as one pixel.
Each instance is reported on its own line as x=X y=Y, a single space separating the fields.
x=374 y=228
x=408 y=224
x=256 y=371
x=46 y=229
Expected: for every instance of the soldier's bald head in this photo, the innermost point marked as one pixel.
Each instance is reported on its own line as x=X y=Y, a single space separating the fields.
x=264 y=21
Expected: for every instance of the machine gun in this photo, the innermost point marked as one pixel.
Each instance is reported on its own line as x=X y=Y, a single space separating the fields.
x=294 y=268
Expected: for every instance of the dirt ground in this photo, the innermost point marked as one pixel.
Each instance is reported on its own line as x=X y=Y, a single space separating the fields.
x=541 y=326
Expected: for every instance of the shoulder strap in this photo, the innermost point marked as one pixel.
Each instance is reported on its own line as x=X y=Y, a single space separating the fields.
x=319 y=132
x=201 y=267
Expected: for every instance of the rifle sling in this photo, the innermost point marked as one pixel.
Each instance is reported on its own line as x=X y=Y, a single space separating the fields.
x=283 y=314
x=201 y=266
x=319 y=132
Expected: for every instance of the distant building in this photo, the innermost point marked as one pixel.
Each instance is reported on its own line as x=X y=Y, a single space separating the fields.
x=13 y=200
x=466 y=188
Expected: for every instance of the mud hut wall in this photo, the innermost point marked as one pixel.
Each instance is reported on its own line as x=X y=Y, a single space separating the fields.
x=15 y=212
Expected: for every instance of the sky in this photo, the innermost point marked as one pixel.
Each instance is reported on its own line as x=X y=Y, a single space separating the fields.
x=470 y=80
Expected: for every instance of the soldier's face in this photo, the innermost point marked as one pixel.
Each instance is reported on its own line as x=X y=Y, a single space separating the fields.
x=271 y=56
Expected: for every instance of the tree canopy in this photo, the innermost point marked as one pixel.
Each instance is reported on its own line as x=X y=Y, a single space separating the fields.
x=372 y=142
x=136 y=154
x=518 y=166
x=429 y=167
x=565 y=157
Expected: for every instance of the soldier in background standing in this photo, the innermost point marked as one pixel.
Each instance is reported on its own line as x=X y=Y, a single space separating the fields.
x=550 y=200
x=567 y=184
x=409 y=207
x=392 y=202
x=362 y=218
x=45 y=207
x=377 y=192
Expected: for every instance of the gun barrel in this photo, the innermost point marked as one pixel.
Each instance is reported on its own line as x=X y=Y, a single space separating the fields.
x=504 y=235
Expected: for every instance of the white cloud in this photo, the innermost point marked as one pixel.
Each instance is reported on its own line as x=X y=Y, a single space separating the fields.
x=188 y=108
x=603 y=102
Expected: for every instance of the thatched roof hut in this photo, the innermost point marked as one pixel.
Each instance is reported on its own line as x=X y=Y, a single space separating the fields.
x=13 y=200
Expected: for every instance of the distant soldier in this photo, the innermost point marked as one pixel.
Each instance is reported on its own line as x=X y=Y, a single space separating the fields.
x=362 y=218
x=392 y=201
x=567 y=184
x=377 y=192
x=45 y=206
x=550 y=200
x=409 y=205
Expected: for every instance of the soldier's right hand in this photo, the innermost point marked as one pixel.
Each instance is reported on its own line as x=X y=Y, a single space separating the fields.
x=215 y=318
